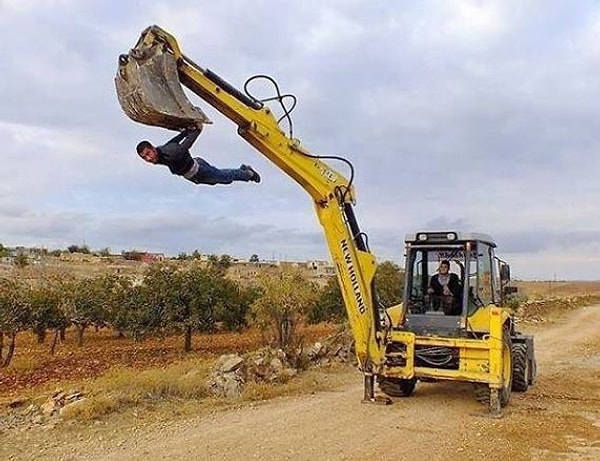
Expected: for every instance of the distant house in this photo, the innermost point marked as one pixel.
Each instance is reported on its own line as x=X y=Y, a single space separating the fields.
x=142 y=256
x=321 y=268
x=151 y=257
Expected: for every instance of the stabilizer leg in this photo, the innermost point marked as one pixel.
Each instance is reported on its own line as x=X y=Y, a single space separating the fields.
x=369 y=392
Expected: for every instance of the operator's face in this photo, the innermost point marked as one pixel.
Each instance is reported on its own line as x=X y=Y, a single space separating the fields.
x=444 y=269
x=149 y=154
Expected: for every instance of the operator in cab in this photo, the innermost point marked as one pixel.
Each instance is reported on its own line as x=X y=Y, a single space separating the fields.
x=446 y=290
x=175 y=154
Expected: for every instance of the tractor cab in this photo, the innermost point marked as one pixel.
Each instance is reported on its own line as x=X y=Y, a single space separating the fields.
x=449 y=277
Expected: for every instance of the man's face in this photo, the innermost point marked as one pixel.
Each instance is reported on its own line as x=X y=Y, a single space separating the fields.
x=444 y=269
x=149 y=154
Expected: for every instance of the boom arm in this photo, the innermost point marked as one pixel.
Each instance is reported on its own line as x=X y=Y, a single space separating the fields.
x=331 y=192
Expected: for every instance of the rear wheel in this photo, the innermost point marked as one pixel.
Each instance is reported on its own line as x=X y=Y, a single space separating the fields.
x=521 y=370
x=397 y=387
x=532 y=371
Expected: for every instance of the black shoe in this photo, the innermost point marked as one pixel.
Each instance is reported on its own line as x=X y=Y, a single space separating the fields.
x=255 y=176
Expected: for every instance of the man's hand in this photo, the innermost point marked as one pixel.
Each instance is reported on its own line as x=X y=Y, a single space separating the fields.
x=195 y=127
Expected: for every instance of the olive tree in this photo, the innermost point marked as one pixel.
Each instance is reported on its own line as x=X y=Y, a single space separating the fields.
x=233 y=304
x=286 y=297
x=136 y=314
x=187 y=296
x=390 y=283
x=330 y=304
x=84 y=303
x=15 y=311
x=46 y=313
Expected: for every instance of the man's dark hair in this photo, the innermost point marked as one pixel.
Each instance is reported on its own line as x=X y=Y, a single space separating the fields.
x=445 y=262
x=143 y=145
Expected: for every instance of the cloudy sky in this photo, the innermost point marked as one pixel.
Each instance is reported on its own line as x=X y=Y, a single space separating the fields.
x=476 y=115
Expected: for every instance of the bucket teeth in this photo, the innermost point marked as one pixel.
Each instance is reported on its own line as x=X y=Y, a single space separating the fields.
x=149 y=91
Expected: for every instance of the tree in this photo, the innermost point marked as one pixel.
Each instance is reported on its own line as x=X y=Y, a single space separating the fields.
x=197 y=301
x=390 y=283
x=254 y=258
x=133 y=311
x=186 y=296
x=14 y=315
x=84 y=303
x=21 y=260
x=104 y=252
x=233 y=304
x=286 y=298
x=330 y=305
x=79 y=249
x=220 y=263
x=46 y=314
x=113 y=290
x=3 y=251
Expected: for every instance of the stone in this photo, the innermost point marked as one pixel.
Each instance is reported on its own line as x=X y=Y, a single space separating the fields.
x=49 y=407
x=72 y=405
x=230 y=363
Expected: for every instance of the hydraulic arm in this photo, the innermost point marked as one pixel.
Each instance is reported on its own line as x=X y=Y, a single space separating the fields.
x=148 y=86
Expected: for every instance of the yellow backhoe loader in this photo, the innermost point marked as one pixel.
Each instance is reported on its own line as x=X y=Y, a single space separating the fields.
x=472 y=338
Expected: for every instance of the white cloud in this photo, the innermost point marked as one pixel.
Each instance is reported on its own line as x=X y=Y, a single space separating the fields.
x=331 y=29
x=585 y=41
x=24 y=6
x=41 y=139
x=468 y=21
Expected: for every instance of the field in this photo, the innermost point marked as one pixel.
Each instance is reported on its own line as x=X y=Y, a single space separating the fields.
x=558 y=289
x=33 y=367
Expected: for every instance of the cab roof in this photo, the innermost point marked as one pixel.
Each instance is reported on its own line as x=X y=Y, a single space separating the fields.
x=447 y=237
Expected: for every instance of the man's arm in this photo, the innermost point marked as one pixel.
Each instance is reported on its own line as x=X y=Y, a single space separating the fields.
x=177 y=138
x=431 y=288
x=188 y=136
x=455 y=285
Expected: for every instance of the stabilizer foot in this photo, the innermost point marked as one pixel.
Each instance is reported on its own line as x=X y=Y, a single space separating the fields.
x=378 y=400
x=369 y=392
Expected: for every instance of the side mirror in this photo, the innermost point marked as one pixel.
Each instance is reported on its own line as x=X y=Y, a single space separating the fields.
x=505 y=272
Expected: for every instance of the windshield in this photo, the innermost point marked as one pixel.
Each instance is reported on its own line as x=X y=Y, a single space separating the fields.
x=436 y=280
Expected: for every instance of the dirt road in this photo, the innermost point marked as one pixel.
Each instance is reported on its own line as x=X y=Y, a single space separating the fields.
x=557 y=419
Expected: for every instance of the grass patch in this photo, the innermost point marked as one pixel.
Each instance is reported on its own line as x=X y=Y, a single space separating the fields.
x=24 y=363
x=184 y=385
x=123 y=388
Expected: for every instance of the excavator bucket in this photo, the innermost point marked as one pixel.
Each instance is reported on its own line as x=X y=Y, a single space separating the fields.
x=149 y=90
